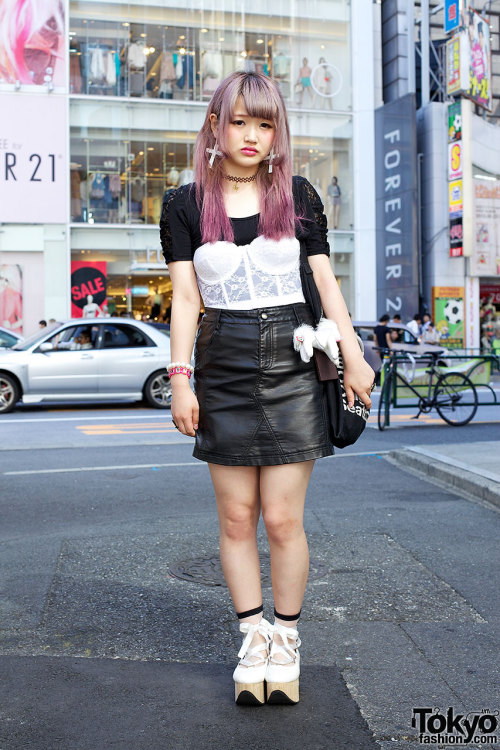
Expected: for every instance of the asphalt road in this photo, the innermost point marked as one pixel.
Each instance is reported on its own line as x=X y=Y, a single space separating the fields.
x=103 y=646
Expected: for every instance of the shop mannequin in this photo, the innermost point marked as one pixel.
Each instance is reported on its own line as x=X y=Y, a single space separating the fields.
x=173 y=177
x=91 y=309
x=323 y=81
x=334 y=194
x=154 y=301
x=185 y=177
x=305 y=80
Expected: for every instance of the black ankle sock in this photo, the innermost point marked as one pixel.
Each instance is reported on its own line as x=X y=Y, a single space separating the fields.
x=287 y=618
x=250 y=612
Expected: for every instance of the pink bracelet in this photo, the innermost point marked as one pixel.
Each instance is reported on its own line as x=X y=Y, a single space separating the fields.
x=179 y=369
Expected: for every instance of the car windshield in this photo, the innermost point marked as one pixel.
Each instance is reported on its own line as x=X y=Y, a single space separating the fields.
x=28 y=343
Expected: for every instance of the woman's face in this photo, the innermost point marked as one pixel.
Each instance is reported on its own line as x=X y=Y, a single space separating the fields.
x=249 y=140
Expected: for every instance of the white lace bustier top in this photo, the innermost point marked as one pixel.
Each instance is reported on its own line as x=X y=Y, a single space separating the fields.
x=264 y=273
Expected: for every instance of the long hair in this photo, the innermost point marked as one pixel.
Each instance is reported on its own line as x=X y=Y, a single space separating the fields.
x=262 y=99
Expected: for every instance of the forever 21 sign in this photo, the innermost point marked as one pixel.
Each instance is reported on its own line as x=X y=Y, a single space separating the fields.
x=42 y=167
x=33 y=159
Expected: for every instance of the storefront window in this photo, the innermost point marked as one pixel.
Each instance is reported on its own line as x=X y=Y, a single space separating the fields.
x=141 y=75
x=123 y=160
x=183 y=54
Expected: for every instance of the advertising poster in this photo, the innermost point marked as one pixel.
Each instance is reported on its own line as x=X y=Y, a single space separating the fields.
x=88 y=289
x=455 y=121
x=33 y=161
x=451 y=15
x=456 y=237
x=468 y=60
x=448 y=315
x=485 y=259
x=454 y=160
x=11 y=297
x=33 y=45
x=454 y=82
x=455 y=202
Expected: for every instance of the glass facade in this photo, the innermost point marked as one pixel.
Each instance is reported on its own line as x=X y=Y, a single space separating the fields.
x=141 y=75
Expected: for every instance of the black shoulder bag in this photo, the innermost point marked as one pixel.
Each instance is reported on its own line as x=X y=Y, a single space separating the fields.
x=346 y=422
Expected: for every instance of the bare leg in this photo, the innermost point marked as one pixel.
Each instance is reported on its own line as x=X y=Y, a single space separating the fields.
x=283 y=491
x=238 y=506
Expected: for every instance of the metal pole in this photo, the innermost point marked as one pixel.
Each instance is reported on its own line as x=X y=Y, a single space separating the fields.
x=425 y=44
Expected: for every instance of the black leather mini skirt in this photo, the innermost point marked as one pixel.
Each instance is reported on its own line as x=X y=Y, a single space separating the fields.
x=260 y=404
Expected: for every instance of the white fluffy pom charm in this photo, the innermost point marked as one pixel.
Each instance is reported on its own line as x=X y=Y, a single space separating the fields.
x=327 y=336
x=303 y=340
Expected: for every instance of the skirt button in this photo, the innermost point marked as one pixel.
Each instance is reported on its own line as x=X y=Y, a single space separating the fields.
x=264 y=316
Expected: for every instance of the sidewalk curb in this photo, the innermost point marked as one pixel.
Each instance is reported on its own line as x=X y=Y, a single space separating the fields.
x=447 y=472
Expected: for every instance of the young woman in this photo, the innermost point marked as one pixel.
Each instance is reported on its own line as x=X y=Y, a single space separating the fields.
x=232 y=242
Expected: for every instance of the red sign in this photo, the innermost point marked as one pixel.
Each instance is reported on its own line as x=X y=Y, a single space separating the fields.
x=489 y=289
x=456 y=252
x=88 y=288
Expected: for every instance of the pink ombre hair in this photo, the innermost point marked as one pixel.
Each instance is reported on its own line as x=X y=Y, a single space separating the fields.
x=277 y=214
x=28 y=24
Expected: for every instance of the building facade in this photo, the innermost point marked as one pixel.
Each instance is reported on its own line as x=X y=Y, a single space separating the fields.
x=113 y=113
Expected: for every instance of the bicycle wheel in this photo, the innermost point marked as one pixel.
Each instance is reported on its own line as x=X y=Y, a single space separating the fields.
x=455 y=398
x=385 y=403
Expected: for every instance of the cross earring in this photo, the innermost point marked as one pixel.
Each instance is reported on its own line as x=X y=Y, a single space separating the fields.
x=270 y=158
x=214 y=153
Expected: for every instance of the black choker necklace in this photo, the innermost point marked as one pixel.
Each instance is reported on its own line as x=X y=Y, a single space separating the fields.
x=239 y=179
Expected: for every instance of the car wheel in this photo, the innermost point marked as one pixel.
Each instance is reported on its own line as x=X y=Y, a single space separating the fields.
x=158 y=390
x=9 y=393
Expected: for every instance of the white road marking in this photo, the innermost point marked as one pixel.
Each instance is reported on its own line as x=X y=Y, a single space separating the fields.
x=79 y=419
x=156 y=466
x=102 y=468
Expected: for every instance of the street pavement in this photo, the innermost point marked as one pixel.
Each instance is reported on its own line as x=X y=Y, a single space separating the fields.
x=117 y=630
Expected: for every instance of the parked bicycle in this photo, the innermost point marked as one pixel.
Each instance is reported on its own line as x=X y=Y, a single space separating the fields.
x=452 y=394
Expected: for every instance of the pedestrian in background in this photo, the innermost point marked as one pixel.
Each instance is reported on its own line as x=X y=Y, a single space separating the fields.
x=431 y=334
x=383 y=334
x=415 y=325
x=234 y=238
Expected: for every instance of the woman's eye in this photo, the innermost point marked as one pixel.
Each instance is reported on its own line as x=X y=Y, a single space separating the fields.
x=238 y=122
x=266 y=125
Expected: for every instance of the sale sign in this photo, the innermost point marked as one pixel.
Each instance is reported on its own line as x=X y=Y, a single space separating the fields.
x=88 y=288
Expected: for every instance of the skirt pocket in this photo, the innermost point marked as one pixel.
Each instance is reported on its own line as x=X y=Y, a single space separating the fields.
x=204 y=339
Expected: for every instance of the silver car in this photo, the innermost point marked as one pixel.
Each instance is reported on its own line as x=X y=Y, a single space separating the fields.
x=8 y=338
x=404 y=340
x=90 y=359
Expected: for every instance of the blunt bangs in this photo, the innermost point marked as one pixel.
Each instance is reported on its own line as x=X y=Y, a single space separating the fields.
x=260 y=100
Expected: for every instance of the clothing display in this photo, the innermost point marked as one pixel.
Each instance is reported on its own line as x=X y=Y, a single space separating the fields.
x=135 y=55
x=137 y=189
x=260 y=404
x=115 y=185
x=75 y=71
x=167 y=67
x=76 y=201
x=103 y=65
x=97 y=186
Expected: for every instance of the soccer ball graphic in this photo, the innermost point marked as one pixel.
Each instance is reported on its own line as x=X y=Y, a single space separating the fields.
x=454 y=311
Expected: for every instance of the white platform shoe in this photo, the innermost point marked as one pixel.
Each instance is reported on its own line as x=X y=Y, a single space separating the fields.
x=283 y=666
x=250 y=673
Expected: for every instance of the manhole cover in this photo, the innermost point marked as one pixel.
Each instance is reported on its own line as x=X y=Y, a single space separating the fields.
x=208 y=571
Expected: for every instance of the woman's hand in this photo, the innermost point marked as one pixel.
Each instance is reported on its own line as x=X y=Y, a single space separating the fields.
x=185 y=410
x=359 y=378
